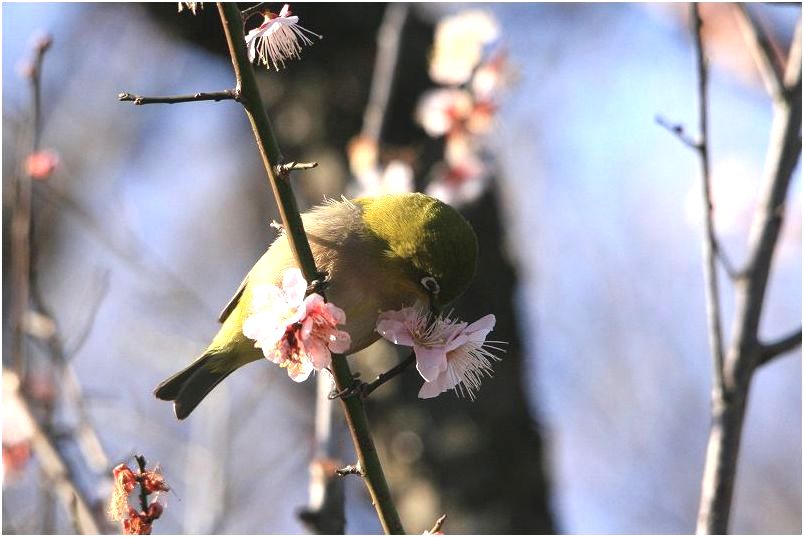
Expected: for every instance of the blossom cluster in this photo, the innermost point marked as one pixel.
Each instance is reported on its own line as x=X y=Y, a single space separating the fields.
x=136 y=522
x=450 y=354
x=468 y=61
x=296 y=332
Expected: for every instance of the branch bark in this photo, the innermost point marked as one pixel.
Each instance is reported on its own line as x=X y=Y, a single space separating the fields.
x=291 y=219
x=745 y=352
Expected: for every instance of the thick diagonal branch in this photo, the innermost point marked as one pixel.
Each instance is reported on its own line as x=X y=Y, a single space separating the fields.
x=291 y=219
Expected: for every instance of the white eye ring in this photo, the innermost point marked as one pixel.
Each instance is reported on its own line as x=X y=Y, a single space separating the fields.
x=430 y=283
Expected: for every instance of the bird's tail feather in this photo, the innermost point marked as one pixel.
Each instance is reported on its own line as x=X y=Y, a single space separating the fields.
x=189 y=386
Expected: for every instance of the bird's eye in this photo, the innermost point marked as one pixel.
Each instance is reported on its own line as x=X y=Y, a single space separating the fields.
x=431 y=285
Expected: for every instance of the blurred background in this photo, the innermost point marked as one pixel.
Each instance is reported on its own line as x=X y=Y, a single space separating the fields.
x=537 y=121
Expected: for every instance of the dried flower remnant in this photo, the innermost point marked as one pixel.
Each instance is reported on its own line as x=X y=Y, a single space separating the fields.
x=295 y=332
x=191 y=6
x=41 y=164
x=151 y=482
x=450 y=354
x=278 y=38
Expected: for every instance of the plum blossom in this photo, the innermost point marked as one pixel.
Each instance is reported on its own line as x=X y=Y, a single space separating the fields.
x=450 y=354
x=295 y=332
x=278 y=38
x=461 y=43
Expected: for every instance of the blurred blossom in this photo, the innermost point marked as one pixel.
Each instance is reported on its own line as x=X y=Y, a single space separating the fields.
x=491 y=78
x=442 y=110
x=295 y=332
x=395 y=178
x=460 y=182
x=17 y=434
x=461 y=42
x=40 y=165
x=363 y=154
x=278 y=38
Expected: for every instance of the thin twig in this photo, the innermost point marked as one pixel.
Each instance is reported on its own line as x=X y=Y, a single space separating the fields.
x=762 y=51
x=247 y=13
x=291 y=219
x=438 y=524
x=225 y=95
x=777 y=348
x=678 y=130
x=382 y=378
x=710 y=241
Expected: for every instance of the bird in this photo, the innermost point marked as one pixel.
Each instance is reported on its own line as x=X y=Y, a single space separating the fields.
x=378 y=254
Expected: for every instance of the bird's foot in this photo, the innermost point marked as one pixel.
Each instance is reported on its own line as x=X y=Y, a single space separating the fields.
x=356 y=388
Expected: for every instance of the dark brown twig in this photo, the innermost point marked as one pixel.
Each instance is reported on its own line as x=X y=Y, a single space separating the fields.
x=382 y=378
x=225 y=95
x=249 y=12
x=777 y=348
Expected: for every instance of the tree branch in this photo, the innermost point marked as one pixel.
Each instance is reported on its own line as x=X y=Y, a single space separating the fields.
x=291 y=219
x=745 y=351
x=710 y=241
x=769 y=351
x=225 y=95
x=388 y=37
x=53 y=464
x=762 y=52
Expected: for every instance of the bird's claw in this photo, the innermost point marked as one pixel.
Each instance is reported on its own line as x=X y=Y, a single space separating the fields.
x=356 y=388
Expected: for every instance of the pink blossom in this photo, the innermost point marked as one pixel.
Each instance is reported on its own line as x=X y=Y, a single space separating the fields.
x=442 y=110
x=278 y=38
x=450 y=354
x=40 y=165
x=295 y=332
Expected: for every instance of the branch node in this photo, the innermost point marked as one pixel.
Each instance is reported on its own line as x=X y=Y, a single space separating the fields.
x=349 y=469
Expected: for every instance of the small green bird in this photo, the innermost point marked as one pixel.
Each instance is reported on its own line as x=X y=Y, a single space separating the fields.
x=382 y=253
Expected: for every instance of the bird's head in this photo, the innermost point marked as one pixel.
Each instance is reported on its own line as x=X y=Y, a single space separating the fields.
x=433 y=244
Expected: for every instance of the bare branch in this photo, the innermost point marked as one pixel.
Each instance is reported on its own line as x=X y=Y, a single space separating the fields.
x=438 y=524
x=388 y=38
x=678 y=130
x=745 y=353
x=382 y=378
x=290 y=166
x=53 y=465
x=225 y=95
x=769 y=351
x=762 y=52
x=710 y=241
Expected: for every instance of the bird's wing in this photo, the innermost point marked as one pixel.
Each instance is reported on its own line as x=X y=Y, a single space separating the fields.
x=229 y=308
